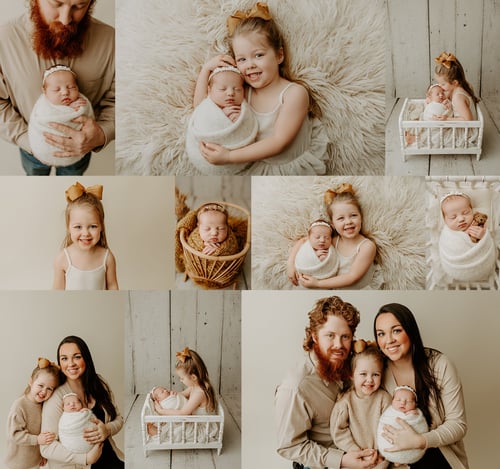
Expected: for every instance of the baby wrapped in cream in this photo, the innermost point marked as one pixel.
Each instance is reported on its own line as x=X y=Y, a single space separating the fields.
x=223 y=117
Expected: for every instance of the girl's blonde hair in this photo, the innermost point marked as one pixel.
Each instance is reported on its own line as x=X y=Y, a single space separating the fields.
x=44 y=366
x=189 y=361
x=448 y=65
x=269 y=29
x=86 y=200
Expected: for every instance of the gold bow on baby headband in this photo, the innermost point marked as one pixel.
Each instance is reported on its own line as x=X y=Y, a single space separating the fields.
x=259 y=10
x=77 y=190
x=446 y=59
x=181 y=356
x=330 y=194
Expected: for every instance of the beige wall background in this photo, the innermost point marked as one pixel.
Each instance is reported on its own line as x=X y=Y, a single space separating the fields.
x=38 y=321
x=102 y=162
x=139 y=219
x=463 y=325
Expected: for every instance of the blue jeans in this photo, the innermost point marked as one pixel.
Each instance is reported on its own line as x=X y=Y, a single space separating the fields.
x=34 y=167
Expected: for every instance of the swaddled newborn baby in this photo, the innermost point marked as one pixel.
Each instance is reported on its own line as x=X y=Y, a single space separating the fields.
x=167 y=400
x=436 y=103
x=74 y=420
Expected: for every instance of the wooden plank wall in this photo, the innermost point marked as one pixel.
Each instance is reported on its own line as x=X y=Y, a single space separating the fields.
x=161 y=323
x=420 y=30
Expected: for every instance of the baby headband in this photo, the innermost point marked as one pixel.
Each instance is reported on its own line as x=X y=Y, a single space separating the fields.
x=450 y=194
x=45 y=363
x=320 y=223
x=77 y=190
x=408 y=388
x=433 y=86
x=182 y=356
x=226 y=68
x=70 y=394
x=446 y=59
x=330 y=194
x=56 y=68
x=259 y=10
x=212 y=206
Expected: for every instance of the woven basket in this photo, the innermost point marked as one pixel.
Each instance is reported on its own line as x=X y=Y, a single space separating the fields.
x=215 y=271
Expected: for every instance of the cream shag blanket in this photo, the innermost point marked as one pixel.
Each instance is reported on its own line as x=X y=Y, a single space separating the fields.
x=71 y=427
x=307 y=262
x=43 y=113
x=465 y=261
x=208 y=123
x=418 y=423
x=394 y=214
x=336 y=51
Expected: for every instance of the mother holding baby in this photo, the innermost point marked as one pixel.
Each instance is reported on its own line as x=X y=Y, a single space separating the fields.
x=78 y=376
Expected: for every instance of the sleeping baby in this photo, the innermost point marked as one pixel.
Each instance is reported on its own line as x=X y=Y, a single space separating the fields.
x=223 y=117
x=74 y=420
x=436 y=103
x=167 y=400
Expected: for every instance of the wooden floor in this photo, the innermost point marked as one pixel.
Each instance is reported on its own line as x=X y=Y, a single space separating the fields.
x=230 y=458
x=440 y=165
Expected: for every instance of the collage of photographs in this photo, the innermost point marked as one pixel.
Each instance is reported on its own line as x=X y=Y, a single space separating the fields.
x=297 y=205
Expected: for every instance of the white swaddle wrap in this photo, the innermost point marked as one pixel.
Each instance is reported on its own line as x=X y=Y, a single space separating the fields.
x=438 y=109
x=208 y=123
x=307 y=262
x=71 y=427
x=173 y=402
x=464 y=260
x=418 y=423
x=44 y=112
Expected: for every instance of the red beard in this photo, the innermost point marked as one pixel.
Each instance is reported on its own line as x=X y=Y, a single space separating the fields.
x=55 y=40
x=337 y=370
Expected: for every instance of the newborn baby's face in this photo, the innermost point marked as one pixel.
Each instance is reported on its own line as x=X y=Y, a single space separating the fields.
x=72 y=404
x=60 y=88
x=320 y=237
x=404 y=400
x=436 y=94
x=226 y=89
x=457 y=213
x=213 y=226
x=160 y=393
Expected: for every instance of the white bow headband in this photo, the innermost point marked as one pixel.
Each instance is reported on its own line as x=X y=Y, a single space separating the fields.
x=227 y=68
x=450 y=194
x=56 y=68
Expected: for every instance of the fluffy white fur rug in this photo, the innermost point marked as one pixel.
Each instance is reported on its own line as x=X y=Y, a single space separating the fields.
x=336 y=46
x=394 y=215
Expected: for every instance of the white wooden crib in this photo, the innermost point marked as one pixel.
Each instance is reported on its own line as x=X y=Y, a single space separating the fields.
x=200 y=423
x=453 y=137
x=485 y=194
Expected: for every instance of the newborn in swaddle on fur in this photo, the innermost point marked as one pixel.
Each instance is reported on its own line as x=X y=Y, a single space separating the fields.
x=74 y=420
x=467 y=251
x=404 y=406
x=60 y=102
x=223 y=117
x=317 y=256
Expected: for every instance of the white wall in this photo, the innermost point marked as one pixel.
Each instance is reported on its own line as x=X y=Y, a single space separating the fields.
x=34 y=323
x=101 y=163
x=463 y=325
x=139 y=219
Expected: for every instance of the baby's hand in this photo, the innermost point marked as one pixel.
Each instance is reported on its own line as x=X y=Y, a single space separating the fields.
x=475 y=231
x=210 y=248
x=77 y=104
x=46 y=438
x=232 y=112
x=322 y=253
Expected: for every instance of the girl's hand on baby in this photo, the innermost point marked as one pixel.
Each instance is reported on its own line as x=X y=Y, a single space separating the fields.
x=308 y=281
x=97 y=433
x=222 y=60
x=214 y=153
x=292 y=274
x=46 y=438
x=439 y=117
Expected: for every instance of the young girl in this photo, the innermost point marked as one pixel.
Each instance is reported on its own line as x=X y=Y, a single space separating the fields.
x=25 y=418
x=450 y=75
x=200 y=395
x=355 y=416
x=85 y=263
x=285 y=143
x=355 y=251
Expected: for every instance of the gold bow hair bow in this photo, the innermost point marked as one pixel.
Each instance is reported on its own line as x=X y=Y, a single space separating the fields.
x=45 y=362
x=259 y=10
x=181 y=356
x=446 y=59
x=77 y=190
x=330 y=194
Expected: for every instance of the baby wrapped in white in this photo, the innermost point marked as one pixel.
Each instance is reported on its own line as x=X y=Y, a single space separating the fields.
x=307 y=262
x=419 y=424
x=463 y=260
x=208 y=123
x=71 y=427
x=43 y=113
x=438 y=109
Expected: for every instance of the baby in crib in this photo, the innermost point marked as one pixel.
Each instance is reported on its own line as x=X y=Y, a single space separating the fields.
x=223 y=117
x=403 y=406
x=436 y=103
x=316 y=256
x=213 y=236
x=74 y=420
x=467 y=250
x=166 y=399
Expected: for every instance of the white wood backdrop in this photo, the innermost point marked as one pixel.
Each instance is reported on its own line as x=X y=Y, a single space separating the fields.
x=420 y=30
x=159 y=324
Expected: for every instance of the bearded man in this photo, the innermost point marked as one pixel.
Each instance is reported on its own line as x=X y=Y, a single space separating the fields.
x=57 y=32
x=305 y=399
